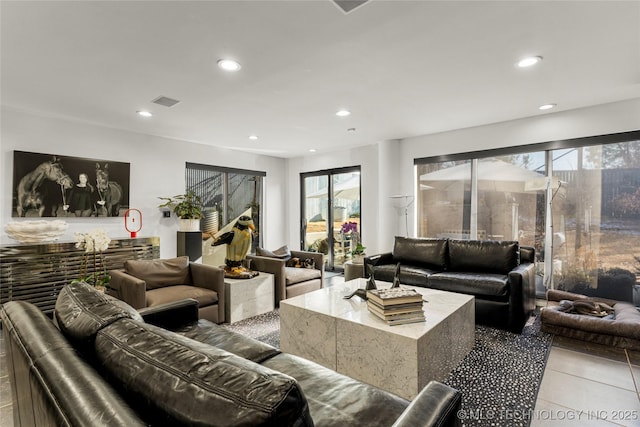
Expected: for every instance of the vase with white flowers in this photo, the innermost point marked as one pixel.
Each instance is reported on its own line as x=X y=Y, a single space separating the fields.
x=94 y=269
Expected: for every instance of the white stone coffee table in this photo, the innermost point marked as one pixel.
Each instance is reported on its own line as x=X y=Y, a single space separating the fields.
x=246 y=298
x=342 y=335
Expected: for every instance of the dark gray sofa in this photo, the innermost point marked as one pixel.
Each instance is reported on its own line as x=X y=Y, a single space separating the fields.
x=499 y=274
x=101 y=363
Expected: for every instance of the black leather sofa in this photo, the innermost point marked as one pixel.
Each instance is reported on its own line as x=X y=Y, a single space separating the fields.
x=499 y=274
x=102 y=363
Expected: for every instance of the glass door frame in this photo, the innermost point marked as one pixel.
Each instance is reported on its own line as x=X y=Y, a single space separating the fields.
x=329 y=173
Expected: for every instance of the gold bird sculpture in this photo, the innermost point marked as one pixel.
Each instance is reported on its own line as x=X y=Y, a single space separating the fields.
x=238 y=242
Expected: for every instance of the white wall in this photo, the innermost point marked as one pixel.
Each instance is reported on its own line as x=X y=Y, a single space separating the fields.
x=157 y=169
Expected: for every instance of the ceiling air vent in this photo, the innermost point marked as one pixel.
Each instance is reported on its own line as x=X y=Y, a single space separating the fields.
x=348 y=5
x=167 y=102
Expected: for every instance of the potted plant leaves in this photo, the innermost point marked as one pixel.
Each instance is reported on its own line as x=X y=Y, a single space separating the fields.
x=188 y=207
x=358 y=253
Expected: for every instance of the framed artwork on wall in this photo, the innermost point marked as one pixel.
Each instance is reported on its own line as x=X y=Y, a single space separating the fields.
x=52 y=185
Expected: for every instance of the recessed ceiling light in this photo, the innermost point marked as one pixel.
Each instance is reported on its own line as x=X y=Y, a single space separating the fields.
x=144 y=113
x=529 y=61
x=546 y=106
x=253 y=137
x=312 y=150
x=229 y=65
x=351 y=130
x=343 y=113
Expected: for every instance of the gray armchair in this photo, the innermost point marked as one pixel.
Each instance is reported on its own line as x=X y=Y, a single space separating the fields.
x=290 y=281
x=148 y=283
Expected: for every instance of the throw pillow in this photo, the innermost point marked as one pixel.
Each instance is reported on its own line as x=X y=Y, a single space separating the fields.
x=280 y=253
x=301 y=263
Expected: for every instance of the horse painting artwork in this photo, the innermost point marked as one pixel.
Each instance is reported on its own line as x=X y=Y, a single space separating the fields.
x=33 y=193
x=59 y=185
x=109 y=193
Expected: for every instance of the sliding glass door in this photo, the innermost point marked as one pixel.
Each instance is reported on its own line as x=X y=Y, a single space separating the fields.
x=330 y=205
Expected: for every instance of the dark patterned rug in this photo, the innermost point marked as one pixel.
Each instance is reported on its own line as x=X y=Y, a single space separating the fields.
x=499 y=379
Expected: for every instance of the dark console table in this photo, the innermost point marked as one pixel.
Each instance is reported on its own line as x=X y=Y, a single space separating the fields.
x=35 y=272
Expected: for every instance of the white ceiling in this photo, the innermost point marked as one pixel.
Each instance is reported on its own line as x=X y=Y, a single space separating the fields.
x=404 y=68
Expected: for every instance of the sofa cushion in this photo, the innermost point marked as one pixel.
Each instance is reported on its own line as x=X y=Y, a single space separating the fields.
x=486 y=285
x=409 y=274
x=225 y=339
x=483 y=256
x=160 y=272
x=336 y=399
x=280 y=253
x=295 y=275
x=166 y=294
x=421 y=252
x=81 y=311
x=178 y=381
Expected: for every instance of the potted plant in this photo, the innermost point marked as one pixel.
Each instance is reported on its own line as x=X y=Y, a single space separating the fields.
x=188 y=207
x=358 y=253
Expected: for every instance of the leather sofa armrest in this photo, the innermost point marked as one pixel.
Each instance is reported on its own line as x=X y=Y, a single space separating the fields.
x=172 y=314
x=379 y=259
x=210 y=277
x=527 y=254
x=274 y=266
x=522 y=284
x=436 y=405
x=207 y=276
x=128 y=288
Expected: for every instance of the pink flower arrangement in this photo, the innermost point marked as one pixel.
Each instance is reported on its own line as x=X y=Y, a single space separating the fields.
x=348 y=227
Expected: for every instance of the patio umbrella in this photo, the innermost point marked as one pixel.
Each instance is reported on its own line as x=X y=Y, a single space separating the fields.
x=493 y=175
x=349 y=189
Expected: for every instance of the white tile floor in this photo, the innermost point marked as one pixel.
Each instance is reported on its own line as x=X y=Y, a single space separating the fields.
x=581 y=389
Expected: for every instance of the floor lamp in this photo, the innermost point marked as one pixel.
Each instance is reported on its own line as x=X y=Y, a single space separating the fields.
x=406 y=200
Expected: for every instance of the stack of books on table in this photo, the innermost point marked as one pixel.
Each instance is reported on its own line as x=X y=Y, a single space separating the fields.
x=396 y=306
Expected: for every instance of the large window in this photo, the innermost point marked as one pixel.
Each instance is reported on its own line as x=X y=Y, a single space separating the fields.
x=577 y=202
x=227 y=194
x=444 y=199
x=596 y=219
x=503 y=206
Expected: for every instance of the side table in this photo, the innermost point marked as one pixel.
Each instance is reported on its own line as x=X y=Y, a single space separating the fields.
x=246 y=298
x=353 y=271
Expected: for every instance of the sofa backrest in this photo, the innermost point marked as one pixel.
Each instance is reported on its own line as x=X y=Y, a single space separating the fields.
x=483 y=256
x=430 y=253
x=174 y=380
x=159 y=273
x=50 y=383
x=81 y=311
